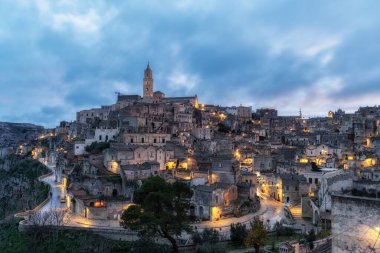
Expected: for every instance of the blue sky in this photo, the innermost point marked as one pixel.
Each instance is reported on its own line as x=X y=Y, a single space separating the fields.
x=58 y=57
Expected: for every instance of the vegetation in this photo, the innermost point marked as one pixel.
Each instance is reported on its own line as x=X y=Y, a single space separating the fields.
x=314 y=167
x=208 y=236
x=20 y=188
x=161 y=210
x=256 y=235
x=97 y=147
x=310 y=238
x=283 y=231
x=147 y=245
x=324 y=233
x=238 y=232
x=223 y=128
x=41 y=240
x=210 y=248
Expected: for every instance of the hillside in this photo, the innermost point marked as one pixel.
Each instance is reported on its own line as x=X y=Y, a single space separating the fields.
x=12 y=134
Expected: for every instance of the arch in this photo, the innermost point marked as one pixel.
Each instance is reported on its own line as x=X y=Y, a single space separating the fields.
x=201 y=211
x=192 y=210
x=114 y=193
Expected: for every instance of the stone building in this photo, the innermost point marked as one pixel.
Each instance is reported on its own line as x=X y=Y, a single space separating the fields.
x=213 y=201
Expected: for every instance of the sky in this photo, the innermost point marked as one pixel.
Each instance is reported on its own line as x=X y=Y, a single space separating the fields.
x=61 y=56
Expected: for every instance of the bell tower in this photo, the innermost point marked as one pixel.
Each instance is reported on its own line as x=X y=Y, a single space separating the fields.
x=148 y=82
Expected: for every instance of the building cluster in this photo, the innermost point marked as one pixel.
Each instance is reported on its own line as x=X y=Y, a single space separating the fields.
x=318 y=167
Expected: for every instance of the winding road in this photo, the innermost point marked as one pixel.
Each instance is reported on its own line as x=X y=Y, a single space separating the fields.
x=271 y=211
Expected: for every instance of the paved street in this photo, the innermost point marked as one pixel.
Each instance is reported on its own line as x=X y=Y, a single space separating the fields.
x=57 y=191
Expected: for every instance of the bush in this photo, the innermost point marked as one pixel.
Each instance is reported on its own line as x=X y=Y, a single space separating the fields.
x=238 y=233
x=210 y=248
x=310 y=238
x=97 y=147
x=223 y=128
x=283 y=231
x=208 y=235
x=147 y=245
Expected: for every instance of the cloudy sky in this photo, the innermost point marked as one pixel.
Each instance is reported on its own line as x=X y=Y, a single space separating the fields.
x=58 y=57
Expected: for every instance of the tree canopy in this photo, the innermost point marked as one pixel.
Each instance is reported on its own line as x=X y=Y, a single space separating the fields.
x=161 y=210
x=238 y=233
x=256 y=235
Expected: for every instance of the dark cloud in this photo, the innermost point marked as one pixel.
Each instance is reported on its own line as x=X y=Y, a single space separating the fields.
x=57 y=58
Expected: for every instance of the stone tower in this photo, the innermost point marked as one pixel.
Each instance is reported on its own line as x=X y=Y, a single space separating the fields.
x=148 y=82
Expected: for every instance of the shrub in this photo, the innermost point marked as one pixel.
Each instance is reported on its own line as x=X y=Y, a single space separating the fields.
x=238 y=233
x=208 y=235
x=97 y=147
x=210 y=248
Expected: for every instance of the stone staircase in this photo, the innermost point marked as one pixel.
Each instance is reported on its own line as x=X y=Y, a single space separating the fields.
x=296 y=212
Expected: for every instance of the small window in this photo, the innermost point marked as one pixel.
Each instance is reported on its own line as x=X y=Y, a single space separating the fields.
x=131 y=140
x=310 y=180
x=155 y=140
x=142 y=140
x=100 y=137
x=163 y=140
x=316 y=180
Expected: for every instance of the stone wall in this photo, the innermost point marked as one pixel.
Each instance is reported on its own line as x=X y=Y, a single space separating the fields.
x=355 y=224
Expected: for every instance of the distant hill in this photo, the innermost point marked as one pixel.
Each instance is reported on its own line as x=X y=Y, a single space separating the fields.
x=15 y=133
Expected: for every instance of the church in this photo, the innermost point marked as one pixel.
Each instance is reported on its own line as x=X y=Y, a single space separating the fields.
x=151 y=96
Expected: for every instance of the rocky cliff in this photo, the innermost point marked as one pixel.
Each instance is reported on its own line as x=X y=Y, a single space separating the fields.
x=13 y=134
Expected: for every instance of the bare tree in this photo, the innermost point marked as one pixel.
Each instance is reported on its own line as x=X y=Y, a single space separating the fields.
x=59 y=216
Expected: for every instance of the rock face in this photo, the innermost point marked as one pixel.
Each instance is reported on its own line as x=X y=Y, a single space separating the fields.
x=355 y=226
x=13 y=134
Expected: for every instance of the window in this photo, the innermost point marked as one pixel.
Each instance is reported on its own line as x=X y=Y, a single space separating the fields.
x=154 y=140
x=287 y=188
x=131 y=140
x=100 y=137
x=77 y=147
x=316 y=180
x=163 y=140
x=310 y=180
x=296 y=188
x=142 y=140
x=106 y=137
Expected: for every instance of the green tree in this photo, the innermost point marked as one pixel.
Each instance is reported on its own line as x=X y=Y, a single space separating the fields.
x=282 y=231
x=208 y=235
x=256 y=235
x=238 y=232
x=310 y=238
x=161 y=210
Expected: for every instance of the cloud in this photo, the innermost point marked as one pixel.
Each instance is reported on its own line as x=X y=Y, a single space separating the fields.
x=69 y=55
x=179 y=80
